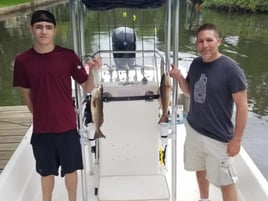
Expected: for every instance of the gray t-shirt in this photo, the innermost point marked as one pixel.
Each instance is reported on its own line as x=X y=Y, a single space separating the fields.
x=212 y=85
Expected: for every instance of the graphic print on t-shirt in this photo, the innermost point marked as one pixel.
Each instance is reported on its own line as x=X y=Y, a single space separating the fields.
x=200 y=89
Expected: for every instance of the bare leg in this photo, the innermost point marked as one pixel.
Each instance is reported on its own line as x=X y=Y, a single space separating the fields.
x=47 y=184
x=229 y=193
x=203 y=184
x=71 y=185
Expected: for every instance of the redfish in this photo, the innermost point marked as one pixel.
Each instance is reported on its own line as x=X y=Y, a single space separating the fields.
x=165 y=93
x=97 y=110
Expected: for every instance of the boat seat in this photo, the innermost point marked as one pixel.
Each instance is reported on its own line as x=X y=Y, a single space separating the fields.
x=128 y=188
x=129 y=167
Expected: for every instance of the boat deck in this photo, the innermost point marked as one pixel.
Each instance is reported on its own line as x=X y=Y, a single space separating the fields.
x=14 y=123
x=251 y=184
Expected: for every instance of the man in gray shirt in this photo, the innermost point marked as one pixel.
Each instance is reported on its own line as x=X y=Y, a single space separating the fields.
x=214 y=83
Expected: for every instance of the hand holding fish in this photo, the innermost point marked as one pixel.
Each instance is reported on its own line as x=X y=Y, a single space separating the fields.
x=175 y=72
x=93 y=68
x=95 y=63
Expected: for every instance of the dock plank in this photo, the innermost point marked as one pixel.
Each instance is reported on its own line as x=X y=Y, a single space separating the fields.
x=14 y=123
x=9 y=139
x=3 y=163
x=5 y=155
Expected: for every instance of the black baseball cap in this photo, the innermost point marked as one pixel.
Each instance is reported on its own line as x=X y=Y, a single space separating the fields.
x=43 y=15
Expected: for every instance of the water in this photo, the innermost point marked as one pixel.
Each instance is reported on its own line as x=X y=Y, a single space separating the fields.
x=245 y=39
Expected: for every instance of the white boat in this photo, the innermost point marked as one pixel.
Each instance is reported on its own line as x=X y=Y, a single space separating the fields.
x=127 y=166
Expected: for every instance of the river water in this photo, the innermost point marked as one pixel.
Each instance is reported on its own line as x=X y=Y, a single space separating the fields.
x=245 y=39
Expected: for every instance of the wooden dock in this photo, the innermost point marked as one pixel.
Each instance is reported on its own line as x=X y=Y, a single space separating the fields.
x=14 y=122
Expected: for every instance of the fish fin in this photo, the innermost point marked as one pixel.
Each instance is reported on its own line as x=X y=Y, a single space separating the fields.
x=94 y=103
x=99 y=134
x=163 y=119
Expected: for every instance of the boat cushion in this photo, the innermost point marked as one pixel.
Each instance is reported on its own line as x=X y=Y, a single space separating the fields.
x=126 y=188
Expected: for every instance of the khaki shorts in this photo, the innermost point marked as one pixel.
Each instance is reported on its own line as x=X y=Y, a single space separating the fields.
x=204 y=153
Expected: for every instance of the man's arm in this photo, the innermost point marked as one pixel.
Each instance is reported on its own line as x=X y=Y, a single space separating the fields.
x=93 y=64
x=26 y=94
x=89 y=84
x=241 y=102
x=176 y=74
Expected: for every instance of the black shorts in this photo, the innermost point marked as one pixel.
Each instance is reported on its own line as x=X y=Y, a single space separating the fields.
x=54 y=150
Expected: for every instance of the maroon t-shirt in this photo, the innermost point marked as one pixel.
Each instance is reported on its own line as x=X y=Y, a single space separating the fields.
x=49 y=76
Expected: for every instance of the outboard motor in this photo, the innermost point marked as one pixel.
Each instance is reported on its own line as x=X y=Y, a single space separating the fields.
x=124 y=39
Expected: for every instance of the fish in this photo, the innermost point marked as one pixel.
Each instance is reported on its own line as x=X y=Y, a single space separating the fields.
x=97 y=110
x=165 y=94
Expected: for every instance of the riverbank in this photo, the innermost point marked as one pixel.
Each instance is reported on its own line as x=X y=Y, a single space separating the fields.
x=237 y=6
x=6 y=12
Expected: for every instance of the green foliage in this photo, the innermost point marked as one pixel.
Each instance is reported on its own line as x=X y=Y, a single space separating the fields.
x=4 y=3
x=238 y=5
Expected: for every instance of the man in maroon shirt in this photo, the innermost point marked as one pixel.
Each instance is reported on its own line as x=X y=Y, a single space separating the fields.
x=44 y=74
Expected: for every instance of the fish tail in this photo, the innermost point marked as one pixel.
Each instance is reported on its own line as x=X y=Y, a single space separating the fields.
x=99 y=134
x=163 y=119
